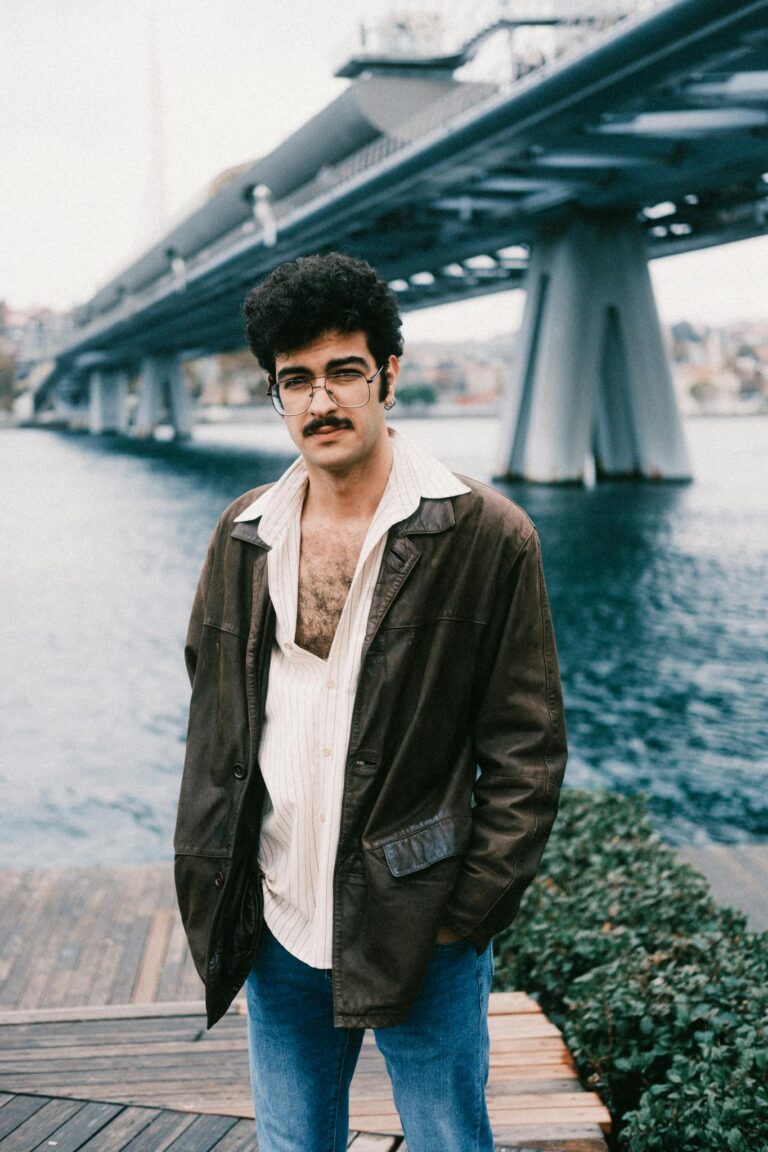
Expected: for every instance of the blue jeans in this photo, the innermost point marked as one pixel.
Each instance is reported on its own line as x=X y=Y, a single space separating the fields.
x=437 y=1059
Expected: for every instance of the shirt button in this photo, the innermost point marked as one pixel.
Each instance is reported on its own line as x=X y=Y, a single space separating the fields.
x=326 y=751
x=239 y=771
x=331 y=684
x=321 y=817
x=218 y=879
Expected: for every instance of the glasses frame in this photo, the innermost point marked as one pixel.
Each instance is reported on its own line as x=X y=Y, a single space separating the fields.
x=272 y=392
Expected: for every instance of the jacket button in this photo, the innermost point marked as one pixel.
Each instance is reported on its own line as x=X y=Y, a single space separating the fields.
x=240 y=771
x=218 y=879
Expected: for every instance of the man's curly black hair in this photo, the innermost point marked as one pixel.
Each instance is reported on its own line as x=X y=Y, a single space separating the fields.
x=304 y=298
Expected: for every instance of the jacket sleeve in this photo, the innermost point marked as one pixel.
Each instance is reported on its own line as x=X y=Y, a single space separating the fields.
x=520 y=748
x=197 y=616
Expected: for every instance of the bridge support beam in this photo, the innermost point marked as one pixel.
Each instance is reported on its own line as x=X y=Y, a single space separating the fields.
x=107 y=402
x=591 y=393
x=162 y=383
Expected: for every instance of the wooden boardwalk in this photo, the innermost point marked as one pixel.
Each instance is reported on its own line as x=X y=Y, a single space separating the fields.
x=32 y=1123
x=737 y=875
x=101 y=1021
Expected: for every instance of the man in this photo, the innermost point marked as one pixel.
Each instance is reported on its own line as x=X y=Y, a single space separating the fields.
x=376 y=738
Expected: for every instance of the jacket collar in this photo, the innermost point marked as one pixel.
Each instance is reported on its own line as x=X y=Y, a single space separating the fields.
x=431 y=517
x=249 y=531
x=421 y=477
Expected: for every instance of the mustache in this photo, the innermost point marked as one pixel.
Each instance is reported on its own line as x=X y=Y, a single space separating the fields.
x=324 y=422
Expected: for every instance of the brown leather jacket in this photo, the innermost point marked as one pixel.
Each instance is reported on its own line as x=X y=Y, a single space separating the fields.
x=459 y=672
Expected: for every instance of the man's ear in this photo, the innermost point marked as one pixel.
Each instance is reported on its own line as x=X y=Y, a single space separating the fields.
x=391 y=370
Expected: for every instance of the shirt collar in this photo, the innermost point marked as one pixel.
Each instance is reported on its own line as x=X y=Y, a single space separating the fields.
x=415 y=475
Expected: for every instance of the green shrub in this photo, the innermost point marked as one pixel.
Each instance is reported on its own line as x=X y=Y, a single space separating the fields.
x=662 y=995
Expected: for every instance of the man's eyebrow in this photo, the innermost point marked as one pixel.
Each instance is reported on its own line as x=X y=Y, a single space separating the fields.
x=338 y=363
x=330 y=365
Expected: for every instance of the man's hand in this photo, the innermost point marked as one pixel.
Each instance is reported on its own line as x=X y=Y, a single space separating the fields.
x=445 y=936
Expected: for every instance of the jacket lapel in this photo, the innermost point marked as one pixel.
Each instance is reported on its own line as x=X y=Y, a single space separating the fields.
x=249 y=531
x=401 y=556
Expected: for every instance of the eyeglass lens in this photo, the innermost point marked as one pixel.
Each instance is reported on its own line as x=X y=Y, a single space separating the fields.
x=349 y=389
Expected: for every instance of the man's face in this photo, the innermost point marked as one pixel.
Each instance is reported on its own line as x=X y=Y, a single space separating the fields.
x=328 y=436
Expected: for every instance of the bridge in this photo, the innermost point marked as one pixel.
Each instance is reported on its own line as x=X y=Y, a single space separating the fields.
x=645 y=134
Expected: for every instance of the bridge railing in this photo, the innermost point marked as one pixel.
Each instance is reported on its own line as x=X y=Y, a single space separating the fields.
x=442 y=112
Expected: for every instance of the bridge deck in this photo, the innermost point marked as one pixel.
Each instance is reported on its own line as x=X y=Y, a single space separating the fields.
x=102 y=1028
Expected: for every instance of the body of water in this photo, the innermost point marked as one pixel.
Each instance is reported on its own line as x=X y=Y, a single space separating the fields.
x=659 y=597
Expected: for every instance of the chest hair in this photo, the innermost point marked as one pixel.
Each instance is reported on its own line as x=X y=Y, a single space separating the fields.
x=326 y=566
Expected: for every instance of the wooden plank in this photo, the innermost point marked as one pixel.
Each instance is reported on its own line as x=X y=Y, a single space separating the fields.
x=84 y=981
x=52 y=1056
x=511 y=1002
x=375 y=1123
x=567 y=1119
x=174 y=975
x=524 y=1071
x=371 y=1142
x=79 y=940
x=189 y=984
x=99 y=1032
x=376 y=1089
x=375 y=1117
x=28 y=1074
x=160 y=1134
x=41 y=1125
x=103 y=1012
x=32 y=919
x=203 y=1134
x=86 y=1122
x=153 y=957
x=133 y=937
x=240 y=1138
x=553 y=1103
x=513 y=1028
x=10 y=936
x=584 y=1138
x=127 y=1124
x=531 y=1046
x=736 y=876
x=128 y=884
x=43 y=961
x=16 y=1111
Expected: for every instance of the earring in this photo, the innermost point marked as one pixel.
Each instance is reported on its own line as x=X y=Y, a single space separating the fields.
x=390 y=403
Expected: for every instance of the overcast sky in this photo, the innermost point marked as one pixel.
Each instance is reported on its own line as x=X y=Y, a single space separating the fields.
x=79 y=185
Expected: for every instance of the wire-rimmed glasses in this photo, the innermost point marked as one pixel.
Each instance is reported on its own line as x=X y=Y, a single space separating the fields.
x=346 y=387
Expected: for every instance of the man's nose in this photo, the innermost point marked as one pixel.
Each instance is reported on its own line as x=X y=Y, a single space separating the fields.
x=321 y=401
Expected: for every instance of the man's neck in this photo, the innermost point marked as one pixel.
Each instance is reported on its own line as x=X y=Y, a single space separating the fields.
x=353 y=494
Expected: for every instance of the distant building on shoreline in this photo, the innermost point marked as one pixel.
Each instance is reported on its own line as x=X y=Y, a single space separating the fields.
x=720 y=370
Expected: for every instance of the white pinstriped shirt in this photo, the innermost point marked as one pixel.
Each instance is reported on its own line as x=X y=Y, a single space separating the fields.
x=309 y=701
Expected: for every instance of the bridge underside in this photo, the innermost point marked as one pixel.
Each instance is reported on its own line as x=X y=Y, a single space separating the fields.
x=649 y=140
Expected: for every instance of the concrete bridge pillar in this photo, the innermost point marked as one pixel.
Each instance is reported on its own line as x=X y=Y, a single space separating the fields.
x=591 y=391
x=162 y=383
x=107 y=402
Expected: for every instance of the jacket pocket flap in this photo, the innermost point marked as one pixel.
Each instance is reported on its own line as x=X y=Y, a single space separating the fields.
x=427 y=843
